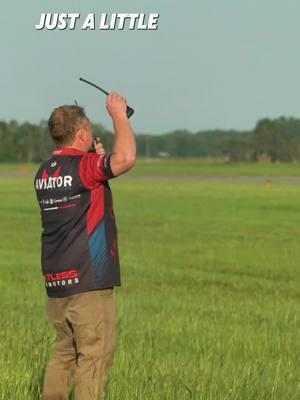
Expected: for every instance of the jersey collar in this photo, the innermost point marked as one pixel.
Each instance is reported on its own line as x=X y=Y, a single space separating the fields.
x=67 y=151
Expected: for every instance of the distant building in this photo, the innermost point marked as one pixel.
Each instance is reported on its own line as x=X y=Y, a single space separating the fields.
x=163 y=154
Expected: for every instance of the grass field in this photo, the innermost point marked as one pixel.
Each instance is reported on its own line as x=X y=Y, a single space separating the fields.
x=209 y=307
x=193 y=167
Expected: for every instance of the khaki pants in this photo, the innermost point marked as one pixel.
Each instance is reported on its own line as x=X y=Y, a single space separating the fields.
x=86 y=330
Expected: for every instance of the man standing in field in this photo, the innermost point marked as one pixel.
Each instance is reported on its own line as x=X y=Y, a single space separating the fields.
x=80 y=259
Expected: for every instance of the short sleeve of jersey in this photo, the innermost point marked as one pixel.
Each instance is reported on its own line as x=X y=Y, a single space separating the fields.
x=95 y=169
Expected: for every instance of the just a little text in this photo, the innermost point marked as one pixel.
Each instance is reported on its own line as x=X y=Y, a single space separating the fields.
x=115 y=21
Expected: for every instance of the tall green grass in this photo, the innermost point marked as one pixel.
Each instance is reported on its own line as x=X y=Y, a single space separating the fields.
x=209 y=305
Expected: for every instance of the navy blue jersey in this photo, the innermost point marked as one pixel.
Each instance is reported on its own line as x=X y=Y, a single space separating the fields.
x=79 y=239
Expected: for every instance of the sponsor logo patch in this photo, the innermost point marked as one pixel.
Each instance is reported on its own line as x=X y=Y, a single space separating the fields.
x=53 y=182
x=62 y=279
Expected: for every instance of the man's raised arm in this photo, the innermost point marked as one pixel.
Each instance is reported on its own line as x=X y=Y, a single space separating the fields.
x=123 y=155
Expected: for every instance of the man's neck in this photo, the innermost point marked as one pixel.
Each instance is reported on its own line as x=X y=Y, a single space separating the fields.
x=77 y=147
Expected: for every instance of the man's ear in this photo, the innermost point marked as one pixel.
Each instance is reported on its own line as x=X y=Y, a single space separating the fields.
x=80 y=135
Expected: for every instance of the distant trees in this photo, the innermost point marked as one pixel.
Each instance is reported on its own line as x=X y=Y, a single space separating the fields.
x=32 y=143
x=7 y=138
x=275 y=140
x=279 y=139
x=238 y=149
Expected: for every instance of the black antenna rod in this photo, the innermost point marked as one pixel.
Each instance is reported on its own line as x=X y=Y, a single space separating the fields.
x=95 y=86
x=129 y=110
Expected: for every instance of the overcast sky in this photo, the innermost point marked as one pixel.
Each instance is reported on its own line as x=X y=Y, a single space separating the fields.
x=211 y=63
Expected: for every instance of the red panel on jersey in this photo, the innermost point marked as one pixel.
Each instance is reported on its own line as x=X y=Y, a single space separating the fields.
x=92 y=171
x=57 y=172
x=45 y=175
x=96 y=210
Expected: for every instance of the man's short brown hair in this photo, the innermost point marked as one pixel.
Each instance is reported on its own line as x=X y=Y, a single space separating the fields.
x=64 y=122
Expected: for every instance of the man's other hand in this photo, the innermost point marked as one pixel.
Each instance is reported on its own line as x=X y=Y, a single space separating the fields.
x=116 y=105
x=99 y=149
